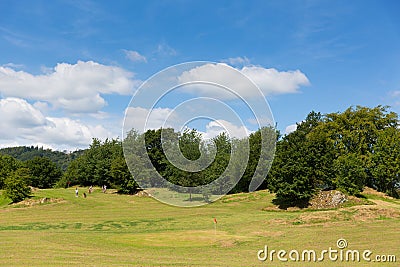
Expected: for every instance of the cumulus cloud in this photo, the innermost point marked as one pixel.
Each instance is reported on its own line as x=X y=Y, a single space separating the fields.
x=18 y=114
x=135 y=56
x=142 y=119
x=71 y=87
x=290 y=128
x=214 y=128
x=272 y=81
x=269 y=81
x=22 y=123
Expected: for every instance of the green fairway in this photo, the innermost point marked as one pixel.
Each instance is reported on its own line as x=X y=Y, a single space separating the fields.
x=120 y=230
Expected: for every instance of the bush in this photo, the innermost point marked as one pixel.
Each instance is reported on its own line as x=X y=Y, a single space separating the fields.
x=15 y=185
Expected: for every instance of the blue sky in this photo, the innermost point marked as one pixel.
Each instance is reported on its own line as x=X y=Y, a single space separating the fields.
x=69 y=68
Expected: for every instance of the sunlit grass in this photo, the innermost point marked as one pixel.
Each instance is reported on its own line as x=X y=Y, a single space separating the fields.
x=120 y=230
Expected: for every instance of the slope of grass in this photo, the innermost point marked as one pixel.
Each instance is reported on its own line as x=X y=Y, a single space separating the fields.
x=117 y=230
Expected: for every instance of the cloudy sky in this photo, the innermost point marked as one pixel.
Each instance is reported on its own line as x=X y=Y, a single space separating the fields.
x=68 y=69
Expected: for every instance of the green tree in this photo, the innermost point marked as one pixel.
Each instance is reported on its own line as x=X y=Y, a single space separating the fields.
x=122 y=178
x=138 y=162
x=353 y=136
x=262 y=149
x=385 y=162
x=15 y=185
x=191 y=147
x=43 y=172
x=350 y=174
x=221 y=144
x=292 y=176
x=8 y=164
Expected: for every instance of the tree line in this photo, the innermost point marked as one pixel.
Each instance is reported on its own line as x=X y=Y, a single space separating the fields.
x=24 y=153
x=343 y=150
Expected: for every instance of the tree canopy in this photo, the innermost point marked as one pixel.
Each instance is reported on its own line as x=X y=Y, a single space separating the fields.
x=343 y=150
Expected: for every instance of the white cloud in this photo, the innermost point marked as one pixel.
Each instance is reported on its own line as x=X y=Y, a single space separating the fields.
x=214 y=128
x=272 y=81
x=23 y=124
x=237 y=61
x=72 y=87
x=14 y=66
x=142 y=119
x=17 y=113
x=290 y=128
x=165 y=50
x=135 y=56
x=269 y=81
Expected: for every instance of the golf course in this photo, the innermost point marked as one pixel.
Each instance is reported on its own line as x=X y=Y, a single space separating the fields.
x=55 y=228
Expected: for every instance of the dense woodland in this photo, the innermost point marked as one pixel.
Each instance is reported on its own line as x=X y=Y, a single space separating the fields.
x=344 y=150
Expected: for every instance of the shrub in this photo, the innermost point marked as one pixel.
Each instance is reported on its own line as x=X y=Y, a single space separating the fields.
x=15 y=185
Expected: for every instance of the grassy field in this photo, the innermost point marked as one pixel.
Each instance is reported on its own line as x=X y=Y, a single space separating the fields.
x=116 y=230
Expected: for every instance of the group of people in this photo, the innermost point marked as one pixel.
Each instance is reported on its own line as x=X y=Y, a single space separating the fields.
x=103 y=188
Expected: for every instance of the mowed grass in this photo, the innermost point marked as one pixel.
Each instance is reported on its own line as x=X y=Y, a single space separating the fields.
x=118 y=230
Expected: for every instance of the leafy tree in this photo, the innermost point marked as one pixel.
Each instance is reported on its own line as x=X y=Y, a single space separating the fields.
x=262 y=149
x=292 y=177
x=43 y=172
x=140 y=166
x=8 y=164
x=191 y=147
x=15 y=185
x=103 y=164
x=385 y=162
x=73 y=175
x=350 y=175
x=221 y=144
x=122 y=178
x=154 y=148
x=355 y=132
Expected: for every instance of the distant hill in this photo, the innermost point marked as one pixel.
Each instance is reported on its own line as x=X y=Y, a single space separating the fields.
x=24 y=153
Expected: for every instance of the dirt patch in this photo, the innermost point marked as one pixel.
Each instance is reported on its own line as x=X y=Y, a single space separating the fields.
x=277 y=221
x=328 y=200
x=365 y=213
x=33 y=202
x=356 y=213
x=143 y=193
x=34 y=189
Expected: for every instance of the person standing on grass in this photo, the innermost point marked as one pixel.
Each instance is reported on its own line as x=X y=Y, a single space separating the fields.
x=76 y=192
x=90 y=189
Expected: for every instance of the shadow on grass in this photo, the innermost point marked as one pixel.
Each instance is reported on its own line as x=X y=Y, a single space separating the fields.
x=359 y=195
x=284 y=204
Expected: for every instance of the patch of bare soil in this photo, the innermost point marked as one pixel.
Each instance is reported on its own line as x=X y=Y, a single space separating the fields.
x=32 y=202
x=355 y=213
x=34 y=189
x=143 y=193
x=328 y=200
x=365 y=213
